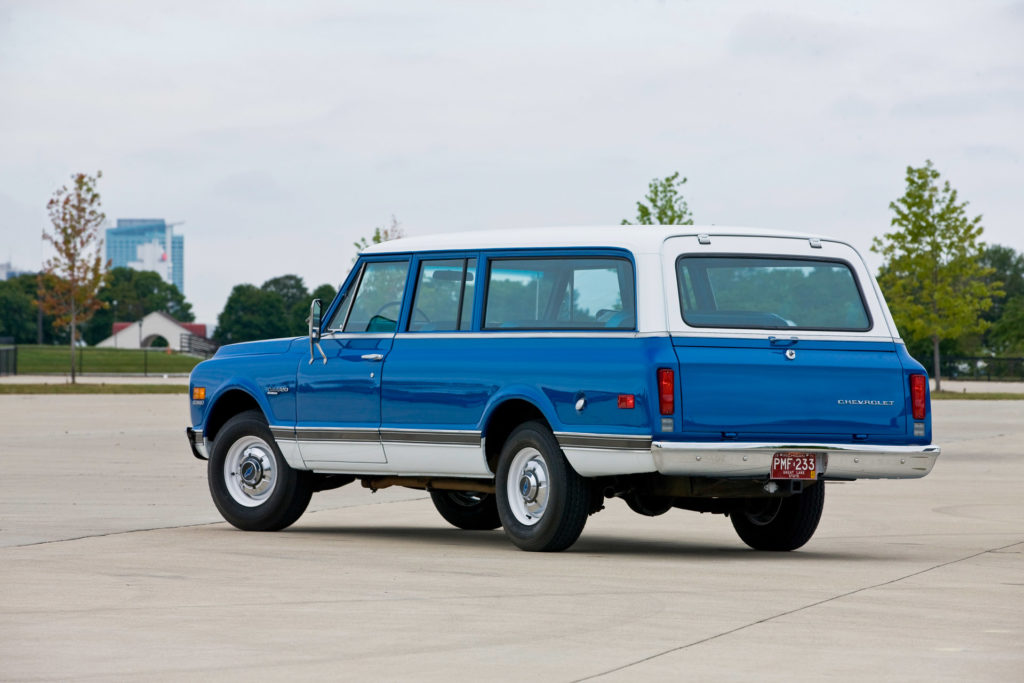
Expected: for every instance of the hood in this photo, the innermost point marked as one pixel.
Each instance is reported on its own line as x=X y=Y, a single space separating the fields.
x=265 y=346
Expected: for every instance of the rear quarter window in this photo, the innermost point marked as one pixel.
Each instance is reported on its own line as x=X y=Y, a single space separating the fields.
x=757 y=292
x=573 y=293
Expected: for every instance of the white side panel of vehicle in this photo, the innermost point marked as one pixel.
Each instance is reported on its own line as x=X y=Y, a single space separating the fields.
x=596 y=462
x=885 y=309
x=341 y=452
x=290 y=451
x=650 y=308
x=437 y=459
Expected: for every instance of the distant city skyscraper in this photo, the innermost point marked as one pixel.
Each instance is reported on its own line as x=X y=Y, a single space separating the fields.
x=148 y=244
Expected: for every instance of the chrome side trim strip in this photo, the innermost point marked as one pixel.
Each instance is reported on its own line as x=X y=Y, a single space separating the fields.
x=843 y=461
x=282 y=432
x=805 y=335
x=368 y=434
x=335 y=334
x=603 y=441
x=432 y=436
x=457 y=437
x=540 y=334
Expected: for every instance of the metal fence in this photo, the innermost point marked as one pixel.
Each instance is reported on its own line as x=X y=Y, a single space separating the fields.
x=197 y=345
x=8 y=360
x=981 y=368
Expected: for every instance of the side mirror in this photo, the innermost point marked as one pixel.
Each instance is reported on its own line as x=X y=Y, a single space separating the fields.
x=315 y=313
x=315 y=319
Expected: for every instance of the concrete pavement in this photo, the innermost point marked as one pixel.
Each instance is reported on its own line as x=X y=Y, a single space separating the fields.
x=114 y=565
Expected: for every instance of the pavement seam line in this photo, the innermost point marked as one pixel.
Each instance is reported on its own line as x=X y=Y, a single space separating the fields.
x=793 y=611
x=181 y=526
x=105 y=535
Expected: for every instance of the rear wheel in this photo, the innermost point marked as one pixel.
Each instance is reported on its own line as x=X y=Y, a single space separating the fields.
x=251 y=484
x=780 y=523
x=542 y=502
x=467 y=509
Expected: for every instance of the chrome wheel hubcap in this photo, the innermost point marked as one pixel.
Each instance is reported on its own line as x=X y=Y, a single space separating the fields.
x=528 y=486
x=249 y=471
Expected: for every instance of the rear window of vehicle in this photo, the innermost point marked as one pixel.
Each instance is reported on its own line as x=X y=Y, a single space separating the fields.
x=578 y=293
x=773 y=293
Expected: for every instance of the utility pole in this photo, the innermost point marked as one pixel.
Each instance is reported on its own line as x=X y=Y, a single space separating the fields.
x=145 y=356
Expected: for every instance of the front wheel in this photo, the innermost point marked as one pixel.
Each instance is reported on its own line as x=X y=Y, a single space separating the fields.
x=251 y=484
x=780 y=523
x=542 y=502
x=467 y=510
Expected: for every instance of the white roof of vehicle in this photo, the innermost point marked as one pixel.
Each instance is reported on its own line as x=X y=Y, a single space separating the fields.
x=636 y=238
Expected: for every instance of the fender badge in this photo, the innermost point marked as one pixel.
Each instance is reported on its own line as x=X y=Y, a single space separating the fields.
x=274 y=391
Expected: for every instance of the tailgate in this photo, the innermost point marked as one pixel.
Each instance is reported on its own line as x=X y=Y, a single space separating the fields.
x=799 y=388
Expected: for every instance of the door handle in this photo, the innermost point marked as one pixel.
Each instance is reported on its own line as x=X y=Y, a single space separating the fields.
x=776 y=341
x=376 y=357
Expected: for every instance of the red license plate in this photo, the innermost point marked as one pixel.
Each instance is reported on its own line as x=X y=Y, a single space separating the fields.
x=795 y=465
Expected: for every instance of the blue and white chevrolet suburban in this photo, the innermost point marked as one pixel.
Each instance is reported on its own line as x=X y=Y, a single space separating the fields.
x=524 y=377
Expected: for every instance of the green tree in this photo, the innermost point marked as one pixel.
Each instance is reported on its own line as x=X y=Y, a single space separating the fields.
x=295 y=298
x=130 y=295
x=72 y=278
x=290 y=288
x=380 y=234
x=1006 y=336
x=664 y=204
x=932 y=276
x=251 y=313
x=41 y=324
x=325 y=293
x=1007 y=333
x=17 y=313
x=278 y=308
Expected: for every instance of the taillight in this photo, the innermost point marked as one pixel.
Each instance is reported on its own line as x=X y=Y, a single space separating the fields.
x=918 y=384
x=666 y=391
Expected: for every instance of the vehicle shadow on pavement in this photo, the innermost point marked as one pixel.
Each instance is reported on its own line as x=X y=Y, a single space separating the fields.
x=409 y=534
x=594 y=544
x=597 y=544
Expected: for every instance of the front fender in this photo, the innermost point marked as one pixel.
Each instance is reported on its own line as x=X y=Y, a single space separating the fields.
x=272 y=389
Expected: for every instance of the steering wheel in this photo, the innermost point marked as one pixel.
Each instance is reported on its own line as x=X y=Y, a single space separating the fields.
x=398 y=303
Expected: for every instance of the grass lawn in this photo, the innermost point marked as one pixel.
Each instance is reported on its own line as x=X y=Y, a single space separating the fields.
x=93 y=389
x=35 y=359
x=979 y=396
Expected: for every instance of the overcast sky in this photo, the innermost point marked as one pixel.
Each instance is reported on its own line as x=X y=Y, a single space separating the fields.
x=282 y=132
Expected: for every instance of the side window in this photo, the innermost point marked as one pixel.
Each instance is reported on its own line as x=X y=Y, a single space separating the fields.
x=560 y=293
x=378 y=299
x=342 y=311
x=444 y=296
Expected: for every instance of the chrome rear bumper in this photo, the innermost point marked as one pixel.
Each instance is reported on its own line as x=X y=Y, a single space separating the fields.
x=843 y=461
